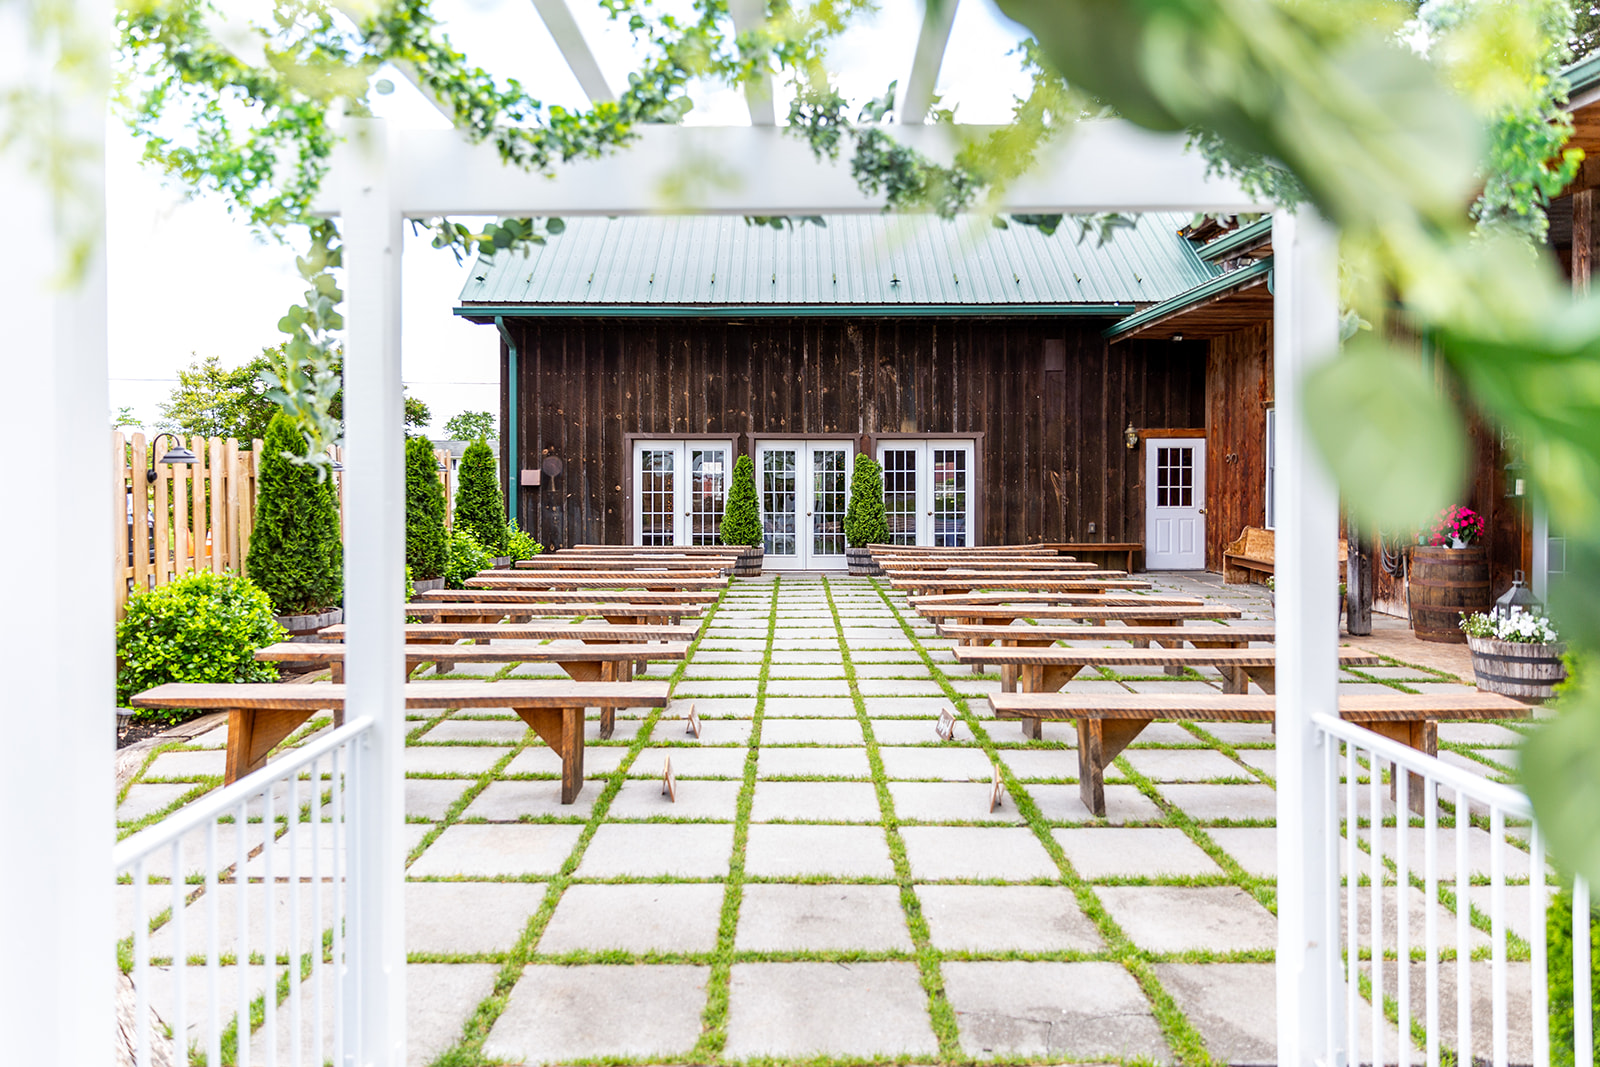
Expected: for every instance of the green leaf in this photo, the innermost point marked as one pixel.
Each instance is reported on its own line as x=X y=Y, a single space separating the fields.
x=1561 y=772
x=1396 y=446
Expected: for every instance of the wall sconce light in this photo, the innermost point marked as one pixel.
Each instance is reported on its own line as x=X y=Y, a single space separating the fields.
x=176 y=454
x=1131 y=437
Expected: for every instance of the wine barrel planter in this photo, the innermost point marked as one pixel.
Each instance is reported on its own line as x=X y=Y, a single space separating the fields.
x=1444 y=583
x=305 y=627
x=426 y=585
x=748 y=564
x=861 y=563
x=500 y=563
x=1517 y=669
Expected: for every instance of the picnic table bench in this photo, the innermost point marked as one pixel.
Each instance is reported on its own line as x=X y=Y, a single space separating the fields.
x=261 y=715
x=878 y=550
x=552 y=580
x=1080 y=581
x=1083 y=606
x=1029 y=565
x=1255 y=551
x=1167 y=635
x=569 y=596
x=704 y=565
x=1108 y=724
x=436 y=632
x=1107 y=548
x=614 y=612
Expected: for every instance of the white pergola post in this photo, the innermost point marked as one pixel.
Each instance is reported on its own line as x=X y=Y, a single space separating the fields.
x=1305 y=333
x=374 y=595
x=56 y=943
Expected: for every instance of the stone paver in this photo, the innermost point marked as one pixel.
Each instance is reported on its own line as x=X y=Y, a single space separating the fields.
x=815 y=802
x=803 y=1010
x=1113 y=852
x=1006 y=918
x=1190 y=918
x=822 y=918
x=482 y=851
x=648 y=850
x=641 y=917
x=499 y=913
x=1071 y=1011
x=780 y=851
x=940 y=853
x=552 y=1016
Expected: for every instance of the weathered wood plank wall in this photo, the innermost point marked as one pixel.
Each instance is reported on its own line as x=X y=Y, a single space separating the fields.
x=1238 y=393
x=1048 y=397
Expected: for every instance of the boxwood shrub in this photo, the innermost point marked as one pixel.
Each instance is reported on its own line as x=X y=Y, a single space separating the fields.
x=201 y=627
x=520 y=545
x=466 y=558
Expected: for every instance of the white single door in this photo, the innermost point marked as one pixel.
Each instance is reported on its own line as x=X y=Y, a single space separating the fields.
x=679 y=491
x=804 y=488
x=1175 y=504
x=929 y=489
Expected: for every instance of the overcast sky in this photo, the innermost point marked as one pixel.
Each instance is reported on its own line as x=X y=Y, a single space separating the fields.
x=187 y=280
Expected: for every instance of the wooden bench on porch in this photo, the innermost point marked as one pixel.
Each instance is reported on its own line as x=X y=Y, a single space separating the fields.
x=1254 y=551
x=1108 y=724
x=262 y=715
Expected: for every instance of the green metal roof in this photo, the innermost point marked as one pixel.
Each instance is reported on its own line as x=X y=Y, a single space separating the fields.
x=851 y=265
x=1229 y=242
x=1221 y=283
x=1584 y=74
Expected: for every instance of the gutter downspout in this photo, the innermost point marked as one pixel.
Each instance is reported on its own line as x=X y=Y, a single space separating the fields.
x=510 y=434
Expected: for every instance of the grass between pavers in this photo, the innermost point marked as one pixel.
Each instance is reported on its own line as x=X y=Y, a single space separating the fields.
x=1184 y=1040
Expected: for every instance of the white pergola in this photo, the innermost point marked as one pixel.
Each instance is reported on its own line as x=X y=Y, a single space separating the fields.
x=55 y=951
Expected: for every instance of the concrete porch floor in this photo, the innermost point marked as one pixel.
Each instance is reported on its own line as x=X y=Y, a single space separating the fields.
x=831 y=884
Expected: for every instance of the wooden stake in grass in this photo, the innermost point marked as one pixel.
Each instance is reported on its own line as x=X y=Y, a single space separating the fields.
x=947 y=725
x=694 y=722
x=669 y=784
x=997 y=789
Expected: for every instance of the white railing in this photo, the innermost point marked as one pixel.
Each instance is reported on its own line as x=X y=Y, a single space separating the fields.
x=257 y=871
x=1418 y=1011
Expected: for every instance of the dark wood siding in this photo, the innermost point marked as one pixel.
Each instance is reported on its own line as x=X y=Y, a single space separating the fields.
x=1238 y=393
x=1049 y=399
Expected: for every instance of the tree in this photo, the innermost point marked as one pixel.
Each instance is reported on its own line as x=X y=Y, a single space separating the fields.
x=124 y=416
x=425 y=533
x=211 y=400
x=417 y=414
x=295 y=551
x=469 y=426
x=479 y=507
x=864 y=521
x=741 y=519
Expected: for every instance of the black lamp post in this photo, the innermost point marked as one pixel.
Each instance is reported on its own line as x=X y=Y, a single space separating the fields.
x=177 y=454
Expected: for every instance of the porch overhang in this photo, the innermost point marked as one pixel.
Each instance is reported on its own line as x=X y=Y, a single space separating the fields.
x=1228 y=302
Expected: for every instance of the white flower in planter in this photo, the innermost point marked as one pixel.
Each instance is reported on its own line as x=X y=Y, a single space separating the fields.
x=1520 y=627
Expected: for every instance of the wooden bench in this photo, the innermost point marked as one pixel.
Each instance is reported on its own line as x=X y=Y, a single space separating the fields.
x=1108 y=724
x=583 y=663
x=261 y=716
x=1167 y=635
x=1253 y=552
x=1102 y=548
x=697 y=567
x=881 y=550
x=1047 y=670
x=570 y=596
x=528 y=581
x=614 y=612
x=1149 y=613
x=1082 y=582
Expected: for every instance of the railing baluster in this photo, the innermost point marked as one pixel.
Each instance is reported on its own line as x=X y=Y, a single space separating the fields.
x=1402 y=914
x=269 y=1021
x=180 y=952
x=141 y=967
x=1463 y=821
x=1430 y=864
x=1539 y=999
x=340 y=866
x=241 y=885
x=293 y=837
x=316 y=910
x=1352 y=896
x=213 y=951
x=1497 y=928
x=1375 y=840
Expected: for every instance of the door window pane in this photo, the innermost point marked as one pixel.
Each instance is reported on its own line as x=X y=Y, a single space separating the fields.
x=708 y=492
x=827 y=501
x=656 y=489
x=950 y=497
x=778 y=501
x=1174 y=477
x=900 y=494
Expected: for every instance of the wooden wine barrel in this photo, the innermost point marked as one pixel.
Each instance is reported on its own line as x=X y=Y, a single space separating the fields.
x=861 y=563
x=1444 y=583
x=1522 y=671
x=748 y=563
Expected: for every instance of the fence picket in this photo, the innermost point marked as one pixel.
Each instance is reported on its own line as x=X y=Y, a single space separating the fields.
x=138 y=511
x=217 y=509
x=230 y=464
x=197 y=504
x=180 y=521
x=163 y=565
x=119 y=569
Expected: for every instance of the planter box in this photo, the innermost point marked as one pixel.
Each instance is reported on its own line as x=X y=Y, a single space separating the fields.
x=427 y=585
x=306 y=626
x=500 y=563
x=861 y=563
x=1515 y=669
x=748 y=564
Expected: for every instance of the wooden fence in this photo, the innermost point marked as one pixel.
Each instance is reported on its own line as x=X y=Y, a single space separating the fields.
x=197 y=517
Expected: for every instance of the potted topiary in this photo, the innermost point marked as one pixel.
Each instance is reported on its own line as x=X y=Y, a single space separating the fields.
x=741 y=519
x=296 y=556
x=864 y=520
x=425 y=532
x=479 y=506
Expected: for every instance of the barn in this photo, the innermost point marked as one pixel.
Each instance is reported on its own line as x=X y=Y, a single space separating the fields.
x=982 y=366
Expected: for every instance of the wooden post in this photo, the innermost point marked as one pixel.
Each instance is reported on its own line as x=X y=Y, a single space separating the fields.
x=1583 y=204
x=217 y=499
x=230 y=463
x=1359 y=580
x=119 y=558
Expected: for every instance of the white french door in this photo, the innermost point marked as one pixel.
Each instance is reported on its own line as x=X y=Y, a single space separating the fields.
x=804 y=488
x=1175 y=504
x=679 y=490
x=929 y=492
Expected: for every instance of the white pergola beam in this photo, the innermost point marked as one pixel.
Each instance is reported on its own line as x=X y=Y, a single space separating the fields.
x=56 y=944
x=937 y=18
x=575 y=49
x=751 y=15
x=744 y=170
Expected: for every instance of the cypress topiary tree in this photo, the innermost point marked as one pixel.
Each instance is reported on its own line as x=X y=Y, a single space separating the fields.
x=864 y=522
x=741 y=519
x=425 y=535
x=479 y=508
x=295 y=553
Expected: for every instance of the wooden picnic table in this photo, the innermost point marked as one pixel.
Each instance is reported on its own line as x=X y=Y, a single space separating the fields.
x=531 y=581
x=571 y=596
x=705 y=565
x=615 y=612
x=652 y=550
x=428 y=632
x=1065 y=606
x=1065 y=596
x=1235 y=636
x=984 y=566
x=949 y=550
x=1108 y=724
x=261 y=715
x=1081 y=581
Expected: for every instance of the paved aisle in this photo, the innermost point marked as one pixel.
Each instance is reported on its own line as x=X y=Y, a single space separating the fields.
x=831 y=881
